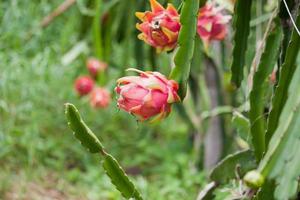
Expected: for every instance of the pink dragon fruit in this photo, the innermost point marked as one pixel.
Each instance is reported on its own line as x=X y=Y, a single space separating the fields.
x=95 y=66
x=212 y=24
x=100 y=98
x=159 y=27
x=147 y=95
x=83 y=85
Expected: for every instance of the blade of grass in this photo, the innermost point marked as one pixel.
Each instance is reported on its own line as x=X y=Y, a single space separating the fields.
x=97 y=30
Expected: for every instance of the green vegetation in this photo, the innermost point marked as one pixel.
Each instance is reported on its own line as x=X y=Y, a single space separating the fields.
x=38 y=155
x=213 y=113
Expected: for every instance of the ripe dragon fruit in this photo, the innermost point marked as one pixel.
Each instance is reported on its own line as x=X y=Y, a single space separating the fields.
x=95 y=66
x=159 y=27
x=212 y=24
x=147 y=95
x=83 y=85
x=100 y=98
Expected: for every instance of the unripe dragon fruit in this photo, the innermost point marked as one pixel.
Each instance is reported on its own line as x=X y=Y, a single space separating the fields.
x=100 y=98
x=212 y=24
x=147 y=95
x=83 y=85
x=95 y=66
x=159 y=27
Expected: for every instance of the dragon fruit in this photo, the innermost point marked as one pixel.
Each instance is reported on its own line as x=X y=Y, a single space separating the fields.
x=95 y=66
x=159 y=27
x=150 y=94
x=100 y=98
x=83 y=85
x=212 y=24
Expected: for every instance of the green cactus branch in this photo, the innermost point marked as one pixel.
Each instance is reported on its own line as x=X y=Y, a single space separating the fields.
x=241 y=25
x=184 y=54
x=281 y=162
x=260 y=84
x=81 y=131
x=119 y=179
x=286 y=26
x=89 y=140
x=287 y=70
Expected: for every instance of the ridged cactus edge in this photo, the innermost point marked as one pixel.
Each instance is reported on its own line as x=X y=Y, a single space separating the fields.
x=90 y=141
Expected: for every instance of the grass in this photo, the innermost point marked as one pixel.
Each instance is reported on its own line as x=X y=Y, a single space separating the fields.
x=39 y=158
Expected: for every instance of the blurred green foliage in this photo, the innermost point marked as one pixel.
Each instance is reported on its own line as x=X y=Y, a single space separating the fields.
x=36 y=145
x=39 y=156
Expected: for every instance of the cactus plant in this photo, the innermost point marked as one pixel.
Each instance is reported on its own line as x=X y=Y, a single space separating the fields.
x=89 y=140
x=258 y=168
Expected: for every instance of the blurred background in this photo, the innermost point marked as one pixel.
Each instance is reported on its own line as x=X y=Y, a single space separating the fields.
x=40 y=58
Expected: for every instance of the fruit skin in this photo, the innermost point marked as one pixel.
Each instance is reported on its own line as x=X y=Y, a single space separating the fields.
x=83 y=85
x=150 y=94
x=100 y=98
x=212 y=23
x=95 y=66
x=159 y=27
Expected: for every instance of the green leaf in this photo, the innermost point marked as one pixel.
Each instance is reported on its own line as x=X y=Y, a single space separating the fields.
x=184 y=54
x=87 y=138
x=260 y=86
x=208 y=192
x=282 y=162
x=242 y=124
x=119 y=178
x=241 y=25
x=225 y=170
x=286 y=73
